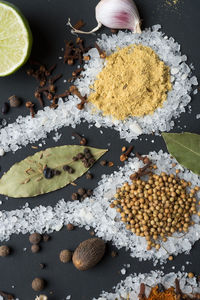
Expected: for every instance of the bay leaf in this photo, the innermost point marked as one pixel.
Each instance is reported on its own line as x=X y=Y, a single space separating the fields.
x=185 y=147
x=26 y=179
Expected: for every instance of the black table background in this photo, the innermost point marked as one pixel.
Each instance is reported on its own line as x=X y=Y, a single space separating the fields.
x=48 y=23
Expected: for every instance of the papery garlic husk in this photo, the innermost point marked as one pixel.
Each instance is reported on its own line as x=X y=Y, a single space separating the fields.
x=116 y=14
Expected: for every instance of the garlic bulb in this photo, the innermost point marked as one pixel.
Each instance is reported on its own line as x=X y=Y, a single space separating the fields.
x=116 y=14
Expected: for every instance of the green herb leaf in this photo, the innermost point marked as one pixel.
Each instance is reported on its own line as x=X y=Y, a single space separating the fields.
x=185 y=147
x=26 y=179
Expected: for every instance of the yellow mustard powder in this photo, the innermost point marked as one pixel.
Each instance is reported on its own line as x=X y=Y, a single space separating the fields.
x=134 y=82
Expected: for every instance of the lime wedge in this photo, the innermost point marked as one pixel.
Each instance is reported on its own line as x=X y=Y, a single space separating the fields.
x=15 y=39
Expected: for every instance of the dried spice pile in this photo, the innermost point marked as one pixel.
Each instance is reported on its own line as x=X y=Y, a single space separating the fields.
x=134 y=82
x=157 y=207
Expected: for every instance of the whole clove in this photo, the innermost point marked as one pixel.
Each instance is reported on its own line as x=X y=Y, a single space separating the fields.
x=82 y=140
x=30 y=106
x=55 y=78
x=125 y=155
x=73 y=90
x=38 y=96
x=102 y=53
x=79 y=24
x=77 y=72
x=50 y=71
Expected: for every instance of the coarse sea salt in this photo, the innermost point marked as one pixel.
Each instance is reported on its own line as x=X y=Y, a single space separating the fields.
x=131 y=285
x=27 y=130
x=96 y=212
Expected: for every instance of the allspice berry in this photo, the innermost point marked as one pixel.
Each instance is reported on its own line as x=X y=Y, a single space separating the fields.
x=38 y=284
x=4 y=251
x=35 y=248
x=35 y=238
x=65 y=256
x=14 y=101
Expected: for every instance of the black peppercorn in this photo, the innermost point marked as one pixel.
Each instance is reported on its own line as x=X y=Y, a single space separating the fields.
x=38 y=284
x=4 y=251
x=92 y=161
x=89 y=192
x=88 y=155
x=86 y=150
x=103 y=162
x=35 y=248
x=57 y=172
x=74 y=196
x=86 y=164
x=14 y=101
x=5 y=108
x=35 y=238
x=84 y=160
x=71 y=170
x=89 y=176
x=66 y=168
x=75 y=158
x=80 y=155
x=81 y=191
x=48 y=173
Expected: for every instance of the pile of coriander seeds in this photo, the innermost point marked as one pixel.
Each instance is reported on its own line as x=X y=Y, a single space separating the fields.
x=157 y=207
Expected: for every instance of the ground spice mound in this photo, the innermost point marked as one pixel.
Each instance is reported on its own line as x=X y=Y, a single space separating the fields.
x=134 y=82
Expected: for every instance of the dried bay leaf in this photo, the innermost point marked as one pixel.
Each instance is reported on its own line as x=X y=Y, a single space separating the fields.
x=26 y=179
x=185 y=147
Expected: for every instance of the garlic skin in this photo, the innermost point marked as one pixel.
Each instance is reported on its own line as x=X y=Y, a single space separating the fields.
x=118 y=14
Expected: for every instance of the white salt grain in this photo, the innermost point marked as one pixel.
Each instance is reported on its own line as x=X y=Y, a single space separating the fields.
x=27 y=129
x=2 y=152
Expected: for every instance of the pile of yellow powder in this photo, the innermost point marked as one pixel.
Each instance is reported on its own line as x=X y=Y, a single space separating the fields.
x=134 y=82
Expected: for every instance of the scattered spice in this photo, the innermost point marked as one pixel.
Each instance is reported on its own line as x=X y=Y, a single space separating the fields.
x=5 y=108
x=83 y=140
x=35 y=248
x=123 y=149
x=42 y=266
x=74 y=196
x=190 y=275
x=79 y=24
x=125 y=155
x=35 y=238
x=70 y=227
x=74 y=52
x=4 y=251
x=48 y=173
x=14 y=101
x=157 y=207
x=113 y=254
x=30 y=106
x=89 y=176
x=141 y=95
x=103 y=163
x=170 y=258
x=46 y=237
x=38 y=284
x=110 y=163
x=74 y=90
x=81 y=191
x=102 y=53
x=7 y=296
x=65 y=256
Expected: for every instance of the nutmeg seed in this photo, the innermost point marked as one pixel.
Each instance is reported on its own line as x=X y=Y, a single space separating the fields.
x=88 y=254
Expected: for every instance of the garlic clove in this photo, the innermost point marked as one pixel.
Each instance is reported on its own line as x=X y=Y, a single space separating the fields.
x=118 y=14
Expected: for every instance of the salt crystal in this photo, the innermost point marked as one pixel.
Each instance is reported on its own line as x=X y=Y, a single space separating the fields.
x=2 y=152
x=123 y=271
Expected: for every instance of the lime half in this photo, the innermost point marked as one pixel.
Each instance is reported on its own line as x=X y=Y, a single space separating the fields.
x=15 y=39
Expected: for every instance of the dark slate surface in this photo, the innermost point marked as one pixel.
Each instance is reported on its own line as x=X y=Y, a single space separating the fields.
x=48 y=23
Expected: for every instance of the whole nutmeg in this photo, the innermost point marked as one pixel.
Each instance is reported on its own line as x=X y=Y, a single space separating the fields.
x=88 y=254
x=4 y=251
x=65 y=256
x=38 y=284
x=35 y=238
x=35 y=248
